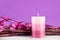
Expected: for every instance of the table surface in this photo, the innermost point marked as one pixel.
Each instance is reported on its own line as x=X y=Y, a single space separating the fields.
x=30 y=38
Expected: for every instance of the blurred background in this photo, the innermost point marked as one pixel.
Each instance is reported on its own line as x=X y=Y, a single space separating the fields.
x=25 y=9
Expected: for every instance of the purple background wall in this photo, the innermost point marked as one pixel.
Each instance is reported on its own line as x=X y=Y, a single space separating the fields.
x=25 y=9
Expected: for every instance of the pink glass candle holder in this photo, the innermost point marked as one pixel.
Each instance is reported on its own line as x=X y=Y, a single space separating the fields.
x=38 y=26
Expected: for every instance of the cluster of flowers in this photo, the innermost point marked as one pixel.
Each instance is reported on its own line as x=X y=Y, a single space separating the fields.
x=52 y=29
x=50 y=26
x=15 y=25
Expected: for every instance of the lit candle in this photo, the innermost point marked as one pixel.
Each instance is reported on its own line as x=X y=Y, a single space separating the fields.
x=38 y=26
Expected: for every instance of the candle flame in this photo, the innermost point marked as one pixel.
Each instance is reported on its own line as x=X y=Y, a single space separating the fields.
x=38 y=14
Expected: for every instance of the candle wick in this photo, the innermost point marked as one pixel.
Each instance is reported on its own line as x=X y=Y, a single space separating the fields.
x=38 y=14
